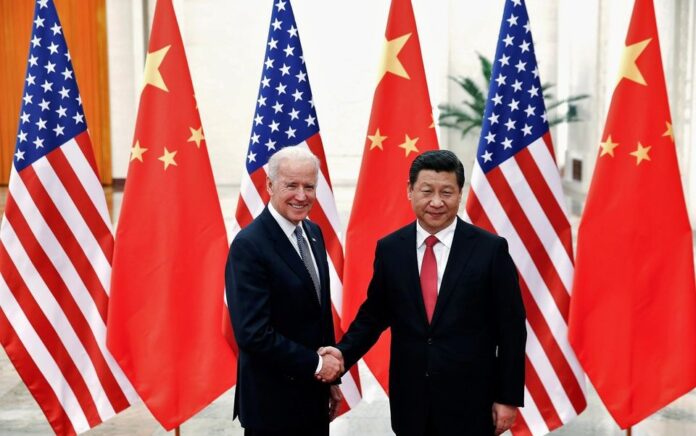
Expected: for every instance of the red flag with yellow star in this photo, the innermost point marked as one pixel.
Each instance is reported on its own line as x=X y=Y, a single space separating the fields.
x=633 y=307
x=401 y=127
x=167 y=283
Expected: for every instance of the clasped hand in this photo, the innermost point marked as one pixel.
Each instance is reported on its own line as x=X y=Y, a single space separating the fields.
x=332 y=364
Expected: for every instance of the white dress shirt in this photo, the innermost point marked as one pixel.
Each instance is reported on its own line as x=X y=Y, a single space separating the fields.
x=441 y=249
x=288 y=228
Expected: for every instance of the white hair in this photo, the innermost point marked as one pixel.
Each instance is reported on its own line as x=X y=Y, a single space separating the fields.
x=293 y=153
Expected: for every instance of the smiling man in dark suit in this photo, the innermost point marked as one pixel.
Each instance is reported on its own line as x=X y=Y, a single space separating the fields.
x=450 y=293
x=277 y=280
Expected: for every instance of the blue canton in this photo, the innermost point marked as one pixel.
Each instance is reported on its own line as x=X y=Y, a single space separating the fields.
x=51 y=112
x=285 y=113
x=515 y=114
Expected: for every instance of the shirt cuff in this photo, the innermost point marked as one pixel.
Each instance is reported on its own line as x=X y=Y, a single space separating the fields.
x=319 y=365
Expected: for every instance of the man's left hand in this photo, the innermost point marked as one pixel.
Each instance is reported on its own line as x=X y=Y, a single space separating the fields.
x=335 y=398
x=503 y=417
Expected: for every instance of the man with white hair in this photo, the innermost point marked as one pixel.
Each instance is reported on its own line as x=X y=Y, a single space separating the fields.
x=277 y=280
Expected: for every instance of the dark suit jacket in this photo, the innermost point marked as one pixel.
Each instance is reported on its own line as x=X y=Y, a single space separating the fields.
x=473 y=352
x=279 y=325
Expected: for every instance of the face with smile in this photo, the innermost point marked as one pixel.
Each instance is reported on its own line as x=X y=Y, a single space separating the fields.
x=435 y=198
x=294 y=189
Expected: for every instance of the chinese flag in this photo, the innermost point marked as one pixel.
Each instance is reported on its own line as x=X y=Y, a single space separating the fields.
x=401 y=127
x=170 y=250
x=633 y=308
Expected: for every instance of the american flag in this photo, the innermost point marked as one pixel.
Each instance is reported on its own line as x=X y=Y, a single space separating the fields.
x=516 y=192
x=285 y=116
x=55 y=248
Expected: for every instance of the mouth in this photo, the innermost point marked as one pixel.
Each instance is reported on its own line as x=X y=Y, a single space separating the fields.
x=436 y=214
x=297 y=206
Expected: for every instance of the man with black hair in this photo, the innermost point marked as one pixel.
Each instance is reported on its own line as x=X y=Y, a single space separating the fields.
x=450 y=293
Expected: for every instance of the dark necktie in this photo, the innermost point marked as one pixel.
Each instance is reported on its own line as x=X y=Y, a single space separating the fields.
x=307 y=260
x=428 y=276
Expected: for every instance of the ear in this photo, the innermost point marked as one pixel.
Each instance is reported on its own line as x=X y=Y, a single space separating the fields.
x=269 y=186
x=409 y=190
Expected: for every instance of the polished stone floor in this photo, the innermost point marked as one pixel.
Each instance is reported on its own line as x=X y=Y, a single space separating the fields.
x=19 y=414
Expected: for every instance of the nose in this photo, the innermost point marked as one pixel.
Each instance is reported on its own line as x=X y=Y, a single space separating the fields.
x=300 y=194
x=436 y=201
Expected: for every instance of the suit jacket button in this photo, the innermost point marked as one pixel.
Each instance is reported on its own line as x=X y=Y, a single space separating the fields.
x=430 y=341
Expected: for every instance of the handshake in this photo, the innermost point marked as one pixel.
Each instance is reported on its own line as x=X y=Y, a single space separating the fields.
x=331 y=364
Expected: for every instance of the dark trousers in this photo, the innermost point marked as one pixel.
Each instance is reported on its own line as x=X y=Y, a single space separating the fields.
x=435 y=428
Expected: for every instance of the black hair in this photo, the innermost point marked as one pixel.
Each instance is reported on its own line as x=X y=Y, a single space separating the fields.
x=438 y=161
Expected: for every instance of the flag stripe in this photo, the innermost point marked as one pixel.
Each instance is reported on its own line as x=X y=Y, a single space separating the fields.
x=242 y=215
x=69 y=306
x=546 y=373
x=332 y=248
x=79 y=160
x=557 y=349
x=50 y=244
x=539 y=395
x=52 y=325
x=529 y=239
x=475 y=213
x=531 y=417
x=23 y=205
x=558 y=359
x=336 y=296
x=549 y=170
x=80 y=198
x=249 y=194
x=541 y=227
x=258 y=178
x=520 y=427
x=29 y=372
x=316 y=146
x=327 y=202
x=325 y=195
x=84 y=143
x=47 y=331
x=42 y=213
x=73 y=218
x=492 y=209
x=544 y=196
x=542 y=303
x=38 y=369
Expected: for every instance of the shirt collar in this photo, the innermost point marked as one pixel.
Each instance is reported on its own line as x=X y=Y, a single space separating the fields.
x=285 y=224
x=445 y=236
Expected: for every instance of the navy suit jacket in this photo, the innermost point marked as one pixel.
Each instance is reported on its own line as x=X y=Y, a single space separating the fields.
x=473 y=352
x=279 y=325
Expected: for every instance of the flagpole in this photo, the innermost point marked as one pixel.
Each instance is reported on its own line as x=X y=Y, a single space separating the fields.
x=629 y=431
x=177 y=431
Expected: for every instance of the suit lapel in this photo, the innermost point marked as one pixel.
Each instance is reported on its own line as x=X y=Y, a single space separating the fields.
x=286 y=251
x=412 y=279
x=463 y=246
